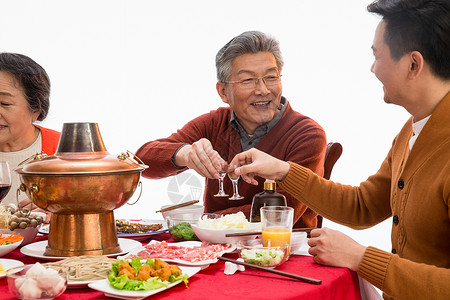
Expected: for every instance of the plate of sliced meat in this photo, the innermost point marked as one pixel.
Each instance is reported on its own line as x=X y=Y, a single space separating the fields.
x=188 y=253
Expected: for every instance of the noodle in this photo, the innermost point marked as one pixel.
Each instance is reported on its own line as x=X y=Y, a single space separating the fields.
x=85 y=267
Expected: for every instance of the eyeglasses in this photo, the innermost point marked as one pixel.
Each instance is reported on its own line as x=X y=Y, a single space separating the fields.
x=252 y=82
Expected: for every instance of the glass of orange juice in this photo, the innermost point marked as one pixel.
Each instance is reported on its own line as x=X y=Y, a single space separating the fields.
x=276 y=224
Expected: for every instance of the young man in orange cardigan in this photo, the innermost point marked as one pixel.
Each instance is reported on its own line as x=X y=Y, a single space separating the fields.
x=412 y=186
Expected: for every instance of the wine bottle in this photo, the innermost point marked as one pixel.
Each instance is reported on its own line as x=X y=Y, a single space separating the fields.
x=269 y=197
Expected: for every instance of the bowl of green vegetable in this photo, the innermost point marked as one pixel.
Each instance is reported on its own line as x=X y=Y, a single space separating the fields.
x=253 y=252
x=190 y=209
x=180 y=226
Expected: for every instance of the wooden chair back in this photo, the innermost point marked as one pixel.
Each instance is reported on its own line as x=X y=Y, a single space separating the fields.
x=334 y=151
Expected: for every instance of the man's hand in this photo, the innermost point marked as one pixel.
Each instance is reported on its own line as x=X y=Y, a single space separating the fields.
x=254 y=162
x=201 y=157
x=333 y=248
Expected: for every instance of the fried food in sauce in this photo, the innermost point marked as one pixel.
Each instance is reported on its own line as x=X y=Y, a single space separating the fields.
x=126 y=269
x=127 y=273
x=160 y=264
x=160 y=269
x=126 y=266
x=175 y=270
x=144 y=273
x=163 y=273
x=146 y=268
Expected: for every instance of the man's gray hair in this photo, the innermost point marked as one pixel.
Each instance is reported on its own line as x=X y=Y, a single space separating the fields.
x=246 y=42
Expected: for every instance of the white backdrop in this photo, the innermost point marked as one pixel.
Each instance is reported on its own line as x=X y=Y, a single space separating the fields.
x=141 y=69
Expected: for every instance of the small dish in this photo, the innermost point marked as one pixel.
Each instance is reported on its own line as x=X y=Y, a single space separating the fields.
x=180 y=226
x=253 y=252
x=36 y=282
x=196 y=208
x=5 y=249
x=8 y=264
x=28 y=233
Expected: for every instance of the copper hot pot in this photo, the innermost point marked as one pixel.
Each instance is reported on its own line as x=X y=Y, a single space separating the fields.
x=81 y=184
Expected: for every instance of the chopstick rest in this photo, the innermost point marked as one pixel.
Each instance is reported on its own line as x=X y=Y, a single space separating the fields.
x=231 y=268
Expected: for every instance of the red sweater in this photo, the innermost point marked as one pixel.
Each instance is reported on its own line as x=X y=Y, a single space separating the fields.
x=294 y=138
x=50 y=140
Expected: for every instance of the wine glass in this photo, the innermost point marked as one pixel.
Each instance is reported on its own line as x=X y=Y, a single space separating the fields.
x=221 y=192
x=5 y=179
x=234 y=180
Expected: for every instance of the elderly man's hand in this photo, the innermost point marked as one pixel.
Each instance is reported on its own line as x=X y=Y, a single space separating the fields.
x=254 y=162
x=333 y=248
x=201 y=157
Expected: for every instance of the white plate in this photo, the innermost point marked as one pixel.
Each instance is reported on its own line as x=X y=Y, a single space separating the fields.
x=179 y=261
x=8 y=264
x=37 y=249
x=45 y=229
x=105 y=286
x=143 y=236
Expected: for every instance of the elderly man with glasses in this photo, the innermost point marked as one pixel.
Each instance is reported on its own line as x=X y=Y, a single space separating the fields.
x=248 y=72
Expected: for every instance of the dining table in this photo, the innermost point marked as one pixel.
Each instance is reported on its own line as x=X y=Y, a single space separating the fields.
x=212 y=283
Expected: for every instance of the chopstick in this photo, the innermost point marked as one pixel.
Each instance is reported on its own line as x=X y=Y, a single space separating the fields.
x=295 y=276
x=178 y=206
x=306 y=229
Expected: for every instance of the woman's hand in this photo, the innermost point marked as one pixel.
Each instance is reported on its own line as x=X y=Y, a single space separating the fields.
x=333 y=248
x=254 y=162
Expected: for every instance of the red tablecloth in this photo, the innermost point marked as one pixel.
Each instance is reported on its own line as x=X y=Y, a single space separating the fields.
x=212 y=283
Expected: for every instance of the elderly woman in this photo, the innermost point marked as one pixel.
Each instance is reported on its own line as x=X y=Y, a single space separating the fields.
x=24 y=99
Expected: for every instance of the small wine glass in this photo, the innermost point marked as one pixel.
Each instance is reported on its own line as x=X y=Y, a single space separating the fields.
x=5 y=179
x=234 y=180
x=221 y=192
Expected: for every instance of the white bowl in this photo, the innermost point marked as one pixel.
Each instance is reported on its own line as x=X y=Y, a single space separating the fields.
x=218 y=236
x=298 y=239
x=253 y=252
x=194 y=209
x=48 y=287
x=5 y=249
x=175 y=220
x=29 y=233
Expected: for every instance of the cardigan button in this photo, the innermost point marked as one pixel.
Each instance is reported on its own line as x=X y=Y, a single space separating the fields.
x=394 y=251
x=401 y=184
x=395 y=220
